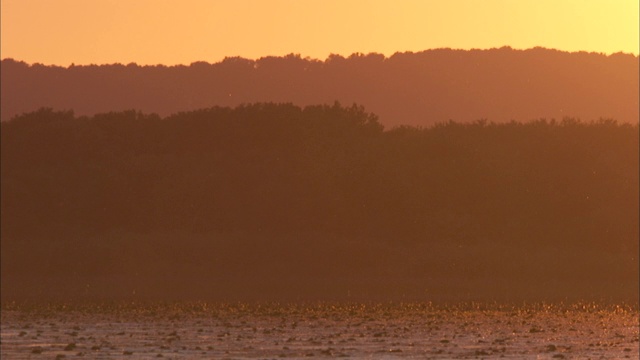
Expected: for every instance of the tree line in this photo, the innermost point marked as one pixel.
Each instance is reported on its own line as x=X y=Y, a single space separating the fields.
x=417 y=89
x=278 y=199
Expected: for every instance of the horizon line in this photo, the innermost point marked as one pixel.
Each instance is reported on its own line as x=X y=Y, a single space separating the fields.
x=329 y=56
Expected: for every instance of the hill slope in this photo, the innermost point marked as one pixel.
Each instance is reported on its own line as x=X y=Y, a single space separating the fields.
x=406 y=88
x=277 y=201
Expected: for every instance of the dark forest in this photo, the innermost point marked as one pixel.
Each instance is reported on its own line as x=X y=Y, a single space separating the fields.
x=417 y=89
x=278 y=201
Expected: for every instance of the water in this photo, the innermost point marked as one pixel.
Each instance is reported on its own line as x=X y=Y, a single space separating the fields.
x=264 y=331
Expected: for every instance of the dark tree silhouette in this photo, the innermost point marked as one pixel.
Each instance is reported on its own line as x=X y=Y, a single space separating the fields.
x=314 y=202
x=417 y=89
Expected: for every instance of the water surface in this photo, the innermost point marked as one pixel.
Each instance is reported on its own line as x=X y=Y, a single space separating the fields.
x=319 y=330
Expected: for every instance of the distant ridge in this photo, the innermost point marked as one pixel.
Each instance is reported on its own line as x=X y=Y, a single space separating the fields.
x=415 y=89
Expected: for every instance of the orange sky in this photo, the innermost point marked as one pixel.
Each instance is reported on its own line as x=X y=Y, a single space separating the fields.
x=183 y=31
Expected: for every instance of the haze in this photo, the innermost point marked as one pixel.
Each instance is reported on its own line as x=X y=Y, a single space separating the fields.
x=447 y=151
x=168 y=32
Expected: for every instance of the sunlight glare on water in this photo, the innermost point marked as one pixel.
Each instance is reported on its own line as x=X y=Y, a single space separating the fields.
x=245 y=331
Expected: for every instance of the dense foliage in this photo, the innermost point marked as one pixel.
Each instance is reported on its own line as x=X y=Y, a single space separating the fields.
x=277 y=200
x=408 y=88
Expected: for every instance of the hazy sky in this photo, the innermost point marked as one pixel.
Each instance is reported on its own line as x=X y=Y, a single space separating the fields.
x=183 y=31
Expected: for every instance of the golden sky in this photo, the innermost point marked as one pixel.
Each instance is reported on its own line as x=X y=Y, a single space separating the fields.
x=183 y=31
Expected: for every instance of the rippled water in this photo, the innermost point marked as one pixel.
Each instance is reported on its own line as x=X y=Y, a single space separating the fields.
x=242 y=331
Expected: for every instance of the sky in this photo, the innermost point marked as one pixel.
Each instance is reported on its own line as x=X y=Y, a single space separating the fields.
x=62 y=32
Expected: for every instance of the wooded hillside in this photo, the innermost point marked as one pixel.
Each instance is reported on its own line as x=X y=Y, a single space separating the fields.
x=417 y=89
x=278 y=201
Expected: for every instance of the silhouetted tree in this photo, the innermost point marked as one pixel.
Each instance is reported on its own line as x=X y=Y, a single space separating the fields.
x=278 y=194
x=404 y=89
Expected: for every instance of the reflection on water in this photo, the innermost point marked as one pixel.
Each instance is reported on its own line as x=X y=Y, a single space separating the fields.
x=201 y=330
